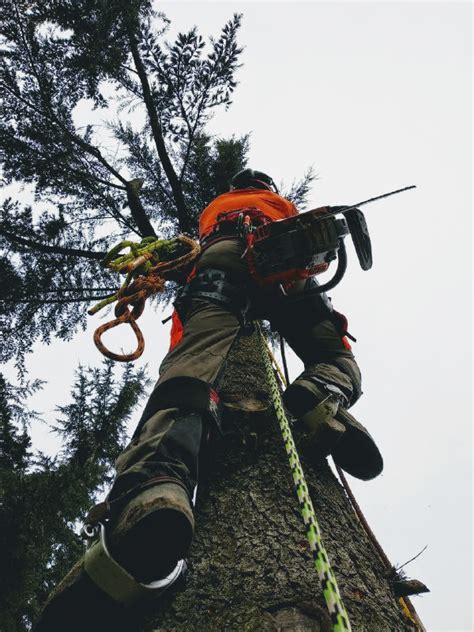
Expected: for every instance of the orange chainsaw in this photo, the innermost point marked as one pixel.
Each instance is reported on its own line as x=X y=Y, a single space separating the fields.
x=303 y=246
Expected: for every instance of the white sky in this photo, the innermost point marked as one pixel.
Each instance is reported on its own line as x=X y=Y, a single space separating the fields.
x=375 y=96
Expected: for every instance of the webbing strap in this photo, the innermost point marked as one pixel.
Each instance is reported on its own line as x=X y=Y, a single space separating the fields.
x=115 y=581
x=332 y=597
x=110 y=576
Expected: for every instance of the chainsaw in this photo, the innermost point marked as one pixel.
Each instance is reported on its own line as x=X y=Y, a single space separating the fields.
x=299 y=247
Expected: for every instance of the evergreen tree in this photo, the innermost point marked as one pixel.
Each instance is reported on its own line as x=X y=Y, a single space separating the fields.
x=149 y=169
x=62 y=58
x=44 y=498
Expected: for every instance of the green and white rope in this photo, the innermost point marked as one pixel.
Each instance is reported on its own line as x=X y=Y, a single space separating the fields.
x=332 y=596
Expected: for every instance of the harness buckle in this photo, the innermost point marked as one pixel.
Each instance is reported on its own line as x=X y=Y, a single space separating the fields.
x=90 y=531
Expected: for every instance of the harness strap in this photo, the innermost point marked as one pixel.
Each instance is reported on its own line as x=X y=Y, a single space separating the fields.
x=115 y=581
x=231 y=224
x=216 y=286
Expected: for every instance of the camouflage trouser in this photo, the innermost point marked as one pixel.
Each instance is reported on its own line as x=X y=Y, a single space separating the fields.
x=167 y=441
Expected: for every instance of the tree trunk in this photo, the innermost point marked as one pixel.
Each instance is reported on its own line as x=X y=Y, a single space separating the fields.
x=250 y=568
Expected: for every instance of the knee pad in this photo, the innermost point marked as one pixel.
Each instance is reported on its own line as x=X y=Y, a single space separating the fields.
x=184 y=392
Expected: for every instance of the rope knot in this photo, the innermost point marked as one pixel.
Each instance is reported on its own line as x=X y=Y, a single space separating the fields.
x=146 y=266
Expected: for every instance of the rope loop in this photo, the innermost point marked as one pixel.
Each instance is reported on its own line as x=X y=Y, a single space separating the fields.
x=127 y=318
x=145 y=266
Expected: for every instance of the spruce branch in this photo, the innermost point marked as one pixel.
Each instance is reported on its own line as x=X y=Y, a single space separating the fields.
x=58 y=250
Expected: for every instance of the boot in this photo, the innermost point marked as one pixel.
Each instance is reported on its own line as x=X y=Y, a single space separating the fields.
x=153 y=532
x=324 y=430
x=321 y=407
x=147 y=539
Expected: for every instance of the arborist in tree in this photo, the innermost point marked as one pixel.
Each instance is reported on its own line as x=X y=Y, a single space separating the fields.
x=148 y=511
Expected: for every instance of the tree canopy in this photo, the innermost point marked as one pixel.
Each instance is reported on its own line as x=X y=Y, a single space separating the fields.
x=105 y=125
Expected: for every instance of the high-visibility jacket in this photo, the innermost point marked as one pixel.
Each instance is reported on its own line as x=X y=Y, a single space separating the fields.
x=272 y=205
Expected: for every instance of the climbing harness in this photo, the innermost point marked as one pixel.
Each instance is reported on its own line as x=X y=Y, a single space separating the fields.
x=332 y=597
x=146 y=267
x=303 y=497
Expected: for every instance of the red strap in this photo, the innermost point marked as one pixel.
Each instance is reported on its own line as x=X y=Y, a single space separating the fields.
x=191 y=275
x=346 y=343
x=176 y=330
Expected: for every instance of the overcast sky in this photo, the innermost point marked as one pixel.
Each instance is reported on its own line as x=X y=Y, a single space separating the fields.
x=374 y=96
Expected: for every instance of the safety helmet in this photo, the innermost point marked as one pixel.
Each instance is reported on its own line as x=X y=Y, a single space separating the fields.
x=255 y=179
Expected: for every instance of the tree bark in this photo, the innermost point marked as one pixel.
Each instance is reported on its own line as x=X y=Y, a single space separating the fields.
x=250 y=568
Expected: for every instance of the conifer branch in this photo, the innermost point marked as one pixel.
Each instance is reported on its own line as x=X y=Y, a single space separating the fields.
x=59 y=250
x=182 y=212
x=58 y=301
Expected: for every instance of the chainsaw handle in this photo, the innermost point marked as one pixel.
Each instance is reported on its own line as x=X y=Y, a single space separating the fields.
x=340 y=271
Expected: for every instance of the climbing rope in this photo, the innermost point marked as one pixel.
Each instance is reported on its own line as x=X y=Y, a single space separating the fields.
x=146 y=266
x=405 y=603
x=332 y=597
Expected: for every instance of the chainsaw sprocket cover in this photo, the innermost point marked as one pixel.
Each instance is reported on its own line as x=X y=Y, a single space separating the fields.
x=294 y=248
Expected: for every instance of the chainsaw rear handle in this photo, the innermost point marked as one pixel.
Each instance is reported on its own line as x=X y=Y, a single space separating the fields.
x=340 y=271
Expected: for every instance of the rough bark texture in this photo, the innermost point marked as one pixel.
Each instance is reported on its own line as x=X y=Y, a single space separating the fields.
x=249 y=568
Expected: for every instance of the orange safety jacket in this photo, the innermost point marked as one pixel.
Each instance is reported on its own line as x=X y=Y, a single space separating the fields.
x=272 y=205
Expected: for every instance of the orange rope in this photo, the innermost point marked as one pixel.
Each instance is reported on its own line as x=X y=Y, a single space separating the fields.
x=131 y=298
x=135 y=296
x=405 y=603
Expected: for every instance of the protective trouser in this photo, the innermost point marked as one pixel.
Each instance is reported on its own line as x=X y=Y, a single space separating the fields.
x=169 y=434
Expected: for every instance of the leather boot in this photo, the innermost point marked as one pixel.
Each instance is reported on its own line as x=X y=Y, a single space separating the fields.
x=147 y=539
x=153 y=531
x=321 y=407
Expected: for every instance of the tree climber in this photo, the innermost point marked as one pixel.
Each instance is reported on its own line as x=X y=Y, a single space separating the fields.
x=149 y=508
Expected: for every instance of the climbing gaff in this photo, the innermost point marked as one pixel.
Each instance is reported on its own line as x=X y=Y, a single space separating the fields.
x=115 y=581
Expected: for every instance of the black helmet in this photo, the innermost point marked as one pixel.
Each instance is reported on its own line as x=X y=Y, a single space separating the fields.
x=255 y=179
